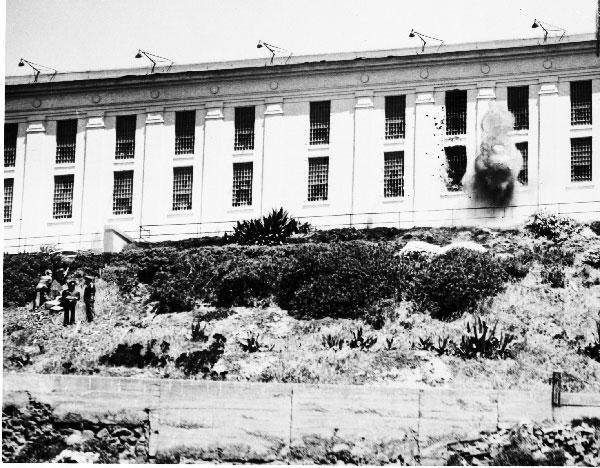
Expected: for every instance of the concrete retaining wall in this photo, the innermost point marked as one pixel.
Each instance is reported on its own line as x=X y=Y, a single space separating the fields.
x=209 y=416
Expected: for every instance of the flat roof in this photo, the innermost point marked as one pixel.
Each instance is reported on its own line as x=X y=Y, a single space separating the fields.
x=285 y=62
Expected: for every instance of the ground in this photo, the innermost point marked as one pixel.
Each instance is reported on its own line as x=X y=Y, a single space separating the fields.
x=549 y=324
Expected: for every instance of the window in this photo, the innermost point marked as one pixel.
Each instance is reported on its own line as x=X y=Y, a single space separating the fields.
x=122 y=192
x=185 y=132
x=182 y=188
x=581 y=103
x=244 y=128
x=319 y=122
x=395 y=107
x=456 y=159
x=523 y=176
x=393 y=174
x=125 y=146
x=456 y=112
x=581 y=159
x=66 y=134
x=10 y=144
x=242 y=184
x=318 y=178
x=8 y=199
x=62 y=204
x=518 y=105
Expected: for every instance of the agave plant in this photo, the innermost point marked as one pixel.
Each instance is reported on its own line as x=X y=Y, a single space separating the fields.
x=592 y=349
x=360 y=341
x=334 y=342
x=481 y=341
x=272 y=229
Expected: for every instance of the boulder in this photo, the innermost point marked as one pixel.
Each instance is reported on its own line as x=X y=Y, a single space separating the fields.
x=420 y=247
x=468 y=245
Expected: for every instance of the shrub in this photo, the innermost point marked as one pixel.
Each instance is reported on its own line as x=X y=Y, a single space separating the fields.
x=199 y=331
x=480 y=341
x=554 y=255
x=21 y=274
x=338 y=280
x=592 y=257
x=272 y=229
x=452 y=282
x=442 y=347
x=553 y=227
x=92 y=263
x=252 y=344
x=517 y=266
x=137 y=355
x=245 y=281
x=360 y=341
x=595 y=227
x=203 y=361
x=592 y=349
x=554 y=276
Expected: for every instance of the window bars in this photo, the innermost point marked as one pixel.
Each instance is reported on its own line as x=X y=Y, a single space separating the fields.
x=182 y=188
x=456 y=160
x=242 y=184
x=185 y=132
x=125 y=142
x=581 y=102
x=393 y=174
x=244 y=128
x=518 y=105
x=319 y=122
x=66 y=135
x=8 y=199
x=456 y=112
x=395 y=107
x=581 y=159
x=122 y=192
x=10 y=144
x=318 y=178
x=523 y=176
x=62 y=204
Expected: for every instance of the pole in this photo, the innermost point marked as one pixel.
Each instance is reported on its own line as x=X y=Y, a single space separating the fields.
x=598 y=30
x=556 y=384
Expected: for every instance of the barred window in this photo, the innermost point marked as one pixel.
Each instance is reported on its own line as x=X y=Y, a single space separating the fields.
x=456 y=160
x=581 y=159
x=242 y=184
x=125 y=145
x=244 y=128
x=395 y=107
x=581 y=102
x=185 y=132
x=8 y=199
x=10 y=144
x=182 y=188
x=456 y=112
x=122 y=192
x=318 y=178
x=62 y=204
x=518 y=105
x=319 y=122
x=66 y=135
x=393 y=174
x=523 y=176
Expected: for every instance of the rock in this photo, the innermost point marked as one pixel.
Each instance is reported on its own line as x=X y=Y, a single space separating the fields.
x=468 y=245
x=70 y=456
x=75 y=438
x=122 y=433
x=103 y=433
x=420 y=247
x=87 y=435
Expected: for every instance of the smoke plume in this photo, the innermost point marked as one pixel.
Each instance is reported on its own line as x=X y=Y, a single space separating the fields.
x=496 y=167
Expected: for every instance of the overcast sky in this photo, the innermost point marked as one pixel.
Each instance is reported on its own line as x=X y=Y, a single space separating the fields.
x=93 y=34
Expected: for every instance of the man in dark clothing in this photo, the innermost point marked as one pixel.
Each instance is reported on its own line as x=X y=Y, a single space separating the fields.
x=68 y=301
x=43 y=288
x=89 y=296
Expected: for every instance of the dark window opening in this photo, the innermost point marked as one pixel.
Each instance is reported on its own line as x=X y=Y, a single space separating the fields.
x=66 y=136
x=581 y=103
x=318 y=178
x=518 y=105
x=10 y=144
x=319 y=122
x=393 y=174
x=244 y=128
x=581 y=159
x=456 y=160
x=395 y=109
x=125 y=144
x=182 y=188
x=456 y=112
x=123 y=192
x=185 y=132
x=523 y=176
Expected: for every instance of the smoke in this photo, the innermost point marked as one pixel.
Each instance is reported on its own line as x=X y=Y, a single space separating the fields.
x=496 y=167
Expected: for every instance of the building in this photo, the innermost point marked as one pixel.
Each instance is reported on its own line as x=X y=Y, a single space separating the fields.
x=338 y=140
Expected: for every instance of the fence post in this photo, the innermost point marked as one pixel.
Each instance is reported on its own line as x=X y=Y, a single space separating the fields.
x=556 y=386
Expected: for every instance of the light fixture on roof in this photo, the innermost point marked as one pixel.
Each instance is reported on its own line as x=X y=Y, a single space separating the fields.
x=155 y=59
x=421 y=36
x=547 y=27
x=37 y=68
x=274 y=50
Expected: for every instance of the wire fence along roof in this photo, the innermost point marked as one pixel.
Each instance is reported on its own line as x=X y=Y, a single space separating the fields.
x=287 y=62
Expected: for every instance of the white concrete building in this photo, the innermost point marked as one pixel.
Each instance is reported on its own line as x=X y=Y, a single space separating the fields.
x=364 y=139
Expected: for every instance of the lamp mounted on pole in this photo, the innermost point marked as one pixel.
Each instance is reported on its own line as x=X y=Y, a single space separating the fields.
x=155 y=59
x=422 y=36
x=274 y=50
x=548 y=28
x=37 y=68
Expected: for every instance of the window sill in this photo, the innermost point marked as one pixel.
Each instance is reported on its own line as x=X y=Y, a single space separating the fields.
x=522 y=132
x=394 y=141
x=9 y=170
x=180 y=214
x=9 y=225
x=183 y=157
x=390 y=200
x=456 y=194
x=64 y=166
x=243 y=152
x=316 y=204
x=582 y=127
x=587 y=185
x=60 y=222
x=241 y=209
x=121 y=162
x=125 y=217
x=323 y=147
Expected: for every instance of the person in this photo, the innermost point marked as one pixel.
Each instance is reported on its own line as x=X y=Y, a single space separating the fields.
x=89 y=296
x=68 y=301
x=43 y=288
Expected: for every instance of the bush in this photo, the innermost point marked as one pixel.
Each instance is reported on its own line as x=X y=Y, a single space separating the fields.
x=551 y=256
x=517 y=266
x=136 y=355
x=592 y=257
x=273 y=229
x=203 y=361
x=480 y=341
x=338 y=280
x=554 y=276
x=595 y=227
x=553 y=227
x=92 y=263
x=22 y=272
x=452 y=282
x=592 y=349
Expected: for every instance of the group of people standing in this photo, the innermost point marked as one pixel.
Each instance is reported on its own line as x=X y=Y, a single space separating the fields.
x=68 y=295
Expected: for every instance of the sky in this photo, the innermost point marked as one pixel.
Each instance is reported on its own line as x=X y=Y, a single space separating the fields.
x=86 y=35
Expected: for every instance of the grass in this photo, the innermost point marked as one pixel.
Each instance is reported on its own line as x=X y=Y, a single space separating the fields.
x=550 y=324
